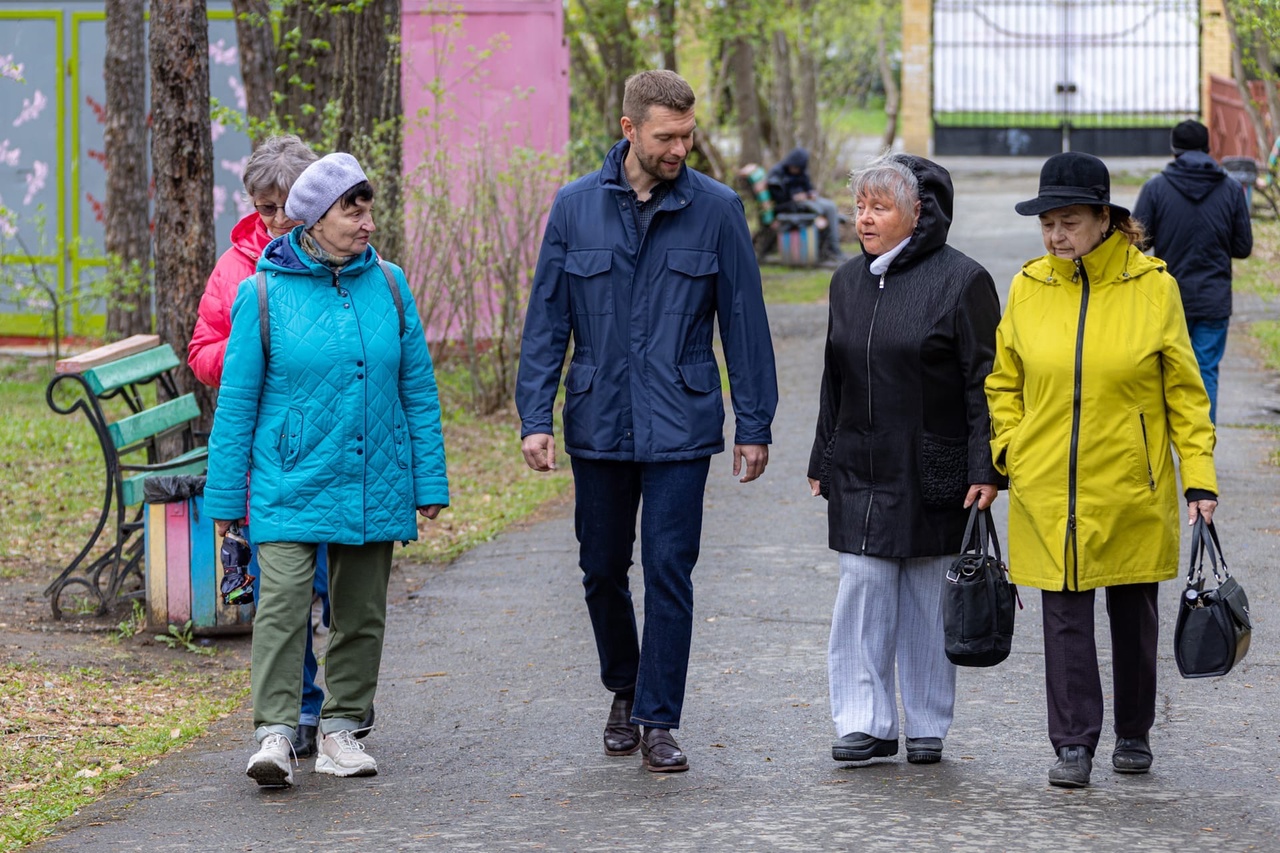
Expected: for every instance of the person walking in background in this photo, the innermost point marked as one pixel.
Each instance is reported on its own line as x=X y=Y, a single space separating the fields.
x=330 y=400
x=1197 y=219
x=268 y=175
x=794 y=189
x=901 y=450
x=638 y=263
x=1094 y=379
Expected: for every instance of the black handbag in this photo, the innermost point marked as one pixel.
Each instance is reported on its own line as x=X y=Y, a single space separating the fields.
x=1213 y=628
x=977 y=600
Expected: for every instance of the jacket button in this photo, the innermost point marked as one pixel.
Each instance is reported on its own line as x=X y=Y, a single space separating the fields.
x=359 y=376
x=359 y=364
x=359 y=452
x=346 y=305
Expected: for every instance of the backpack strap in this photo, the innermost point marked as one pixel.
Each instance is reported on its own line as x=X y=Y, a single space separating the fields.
x=264 y=316
x=395 y=292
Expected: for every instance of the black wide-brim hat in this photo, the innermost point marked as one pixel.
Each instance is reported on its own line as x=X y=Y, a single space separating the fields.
x=1072 y=177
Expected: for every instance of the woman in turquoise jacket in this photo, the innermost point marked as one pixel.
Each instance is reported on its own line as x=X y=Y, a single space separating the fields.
x=330 y=403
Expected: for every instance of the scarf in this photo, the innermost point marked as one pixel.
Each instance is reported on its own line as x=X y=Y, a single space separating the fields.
x=314 y=250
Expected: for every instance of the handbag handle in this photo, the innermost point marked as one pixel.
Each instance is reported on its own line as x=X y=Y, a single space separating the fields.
x=986 y=534
x=1202 y=545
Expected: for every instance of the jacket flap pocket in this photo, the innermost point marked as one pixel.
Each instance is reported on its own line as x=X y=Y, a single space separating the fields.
x=579 y=377
x=693 y=262
x=588 y=262
x=703 y=377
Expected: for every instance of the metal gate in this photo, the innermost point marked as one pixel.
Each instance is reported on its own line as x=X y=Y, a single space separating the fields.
x=1035 y=77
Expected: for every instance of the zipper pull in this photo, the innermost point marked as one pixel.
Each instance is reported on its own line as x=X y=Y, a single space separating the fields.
x=882 y=281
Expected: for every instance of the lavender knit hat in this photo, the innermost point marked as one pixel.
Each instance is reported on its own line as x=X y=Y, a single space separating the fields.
x=320 y=185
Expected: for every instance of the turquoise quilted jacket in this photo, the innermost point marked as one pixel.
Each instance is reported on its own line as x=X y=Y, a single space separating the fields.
x=339 y=429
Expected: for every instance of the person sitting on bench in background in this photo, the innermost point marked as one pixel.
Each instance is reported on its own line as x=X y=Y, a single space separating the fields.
x=791 y=185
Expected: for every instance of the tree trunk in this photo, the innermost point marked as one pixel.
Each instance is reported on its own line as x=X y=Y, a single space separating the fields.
x=346 y=58
x=810 y=132
x=745 y=100
x=257 y=62
x=127 y=231
x=1260 y=128
x=667 y=33
x=784 y=96
x=891 y=94
x=182 y=162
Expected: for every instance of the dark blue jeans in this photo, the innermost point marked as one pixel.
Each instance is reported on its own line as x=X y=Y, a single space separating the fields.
x=608 y=496
x=1209 y=341
x=312 y=693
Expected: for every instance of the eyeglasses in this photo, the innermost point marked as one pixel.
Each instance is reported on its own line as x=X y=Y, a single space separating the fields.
x=268 y=211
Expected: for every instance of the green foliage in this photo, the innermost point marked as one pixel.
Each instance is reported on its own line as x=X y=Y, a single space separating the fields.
x=133 y=624
x=794 y=285
x=184 y=638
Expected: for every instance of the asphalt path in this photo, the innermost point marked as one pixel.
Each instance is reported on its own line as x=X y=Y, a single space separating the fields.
x=490 y=708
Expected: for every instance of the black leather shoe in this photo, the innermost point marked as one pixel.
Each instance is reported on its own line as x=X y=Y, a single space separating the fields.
x=924 y=750
x=621 y=736
x=304 y=741
x=366 y=725
x=1132 y=755
x=862 y=747
x=1072 y=768
x=660 y=753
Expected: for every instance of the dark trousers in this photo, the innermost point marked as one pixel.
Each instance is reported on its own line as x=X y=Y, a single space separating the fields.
x=1071 y=663
x=608 y=496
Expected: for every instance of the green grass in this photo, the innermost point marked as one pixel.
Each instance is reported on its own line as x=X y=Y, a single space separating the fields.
x=854 y=121
x=1267 y=334
x=69 y=737
x=792 y=285
x=975 y=118
x=1257 y=274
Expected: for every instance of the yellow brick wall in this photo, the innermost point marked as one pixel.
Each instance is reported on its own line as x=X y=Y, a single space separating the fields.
x=915 y=124
x=1215 y=50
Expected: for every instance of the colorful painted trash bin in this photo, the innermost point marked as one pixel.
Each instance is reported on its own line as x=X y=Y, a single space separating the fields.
x=183 y=572
x=797 y=239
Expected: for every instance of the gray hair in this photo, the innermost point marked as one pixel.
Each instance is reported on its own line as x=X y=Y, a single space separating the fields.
x=890 y=177
x=276 y=164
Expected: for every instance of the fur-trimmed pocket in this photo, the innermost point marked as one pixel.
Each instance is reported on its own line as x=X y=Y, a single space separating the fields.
x=944 y=470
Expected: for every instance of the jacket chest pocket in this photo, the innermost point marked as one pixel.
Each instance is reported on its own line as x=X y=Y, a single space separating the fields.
x=691 y=279
x=590 y=282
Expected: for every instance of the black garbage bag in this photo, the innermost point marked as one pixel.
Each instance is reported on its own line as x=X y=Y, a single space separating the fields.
x=172 y=488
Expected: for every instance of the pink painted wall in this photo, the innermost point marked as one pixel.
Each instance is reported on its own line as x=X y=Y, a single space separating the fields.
x=523 y=84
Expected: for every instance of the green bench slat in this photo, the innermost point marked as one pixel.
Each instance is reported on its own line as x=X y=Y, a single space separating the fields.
x=132 y=368
x=191 y=462
x=153 y=421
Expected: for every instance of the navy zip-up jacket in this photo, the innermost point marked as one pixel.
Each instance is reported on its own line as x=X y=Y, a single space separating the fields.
x=643 y=384
x=1198 y=220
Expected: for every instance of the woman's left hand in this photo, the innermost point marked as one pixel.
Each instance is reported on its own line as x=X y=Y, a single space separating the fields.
x=1198 y=508
x=430 y=511
x=983 y=493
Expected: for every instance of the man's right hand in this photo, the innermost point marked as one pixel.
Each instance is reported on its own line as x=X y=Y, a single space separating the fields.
x=221 y=527
x=539 y=451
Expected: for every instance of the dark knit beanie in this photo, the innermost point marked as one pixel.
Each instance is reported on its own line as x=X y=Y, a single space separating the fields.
x=1189 y=135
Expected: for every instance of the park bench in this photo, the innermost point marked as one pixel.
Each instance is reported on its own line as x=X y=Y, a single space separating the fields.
x=133 y=447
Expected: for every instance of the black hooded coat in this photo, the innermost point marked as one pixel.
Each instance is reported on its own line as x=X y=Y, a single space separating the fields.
x=903 y=428
x=1198 y=220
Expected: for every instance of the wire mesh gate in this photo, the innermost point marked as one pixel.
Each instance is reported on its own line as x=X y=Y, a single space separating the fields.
x=1035 y=77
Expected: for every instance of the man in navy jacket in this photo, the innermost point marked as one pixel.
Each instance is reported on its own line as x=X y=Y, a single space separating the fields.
x=1197 y=218
x=639 y=262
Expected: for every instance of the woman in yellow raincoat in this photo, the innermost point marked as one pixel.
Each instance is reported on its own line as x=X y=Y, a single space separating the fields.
x=1093 y=380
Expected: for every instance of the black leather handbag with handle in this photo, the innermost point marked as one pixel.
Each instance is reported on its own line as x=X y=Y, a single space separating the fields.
x=978 y=599
x=1213 y=628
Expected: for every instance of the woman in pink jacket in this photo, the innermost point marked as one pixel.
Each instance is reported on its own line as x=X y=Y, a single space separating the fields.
x=268 y=176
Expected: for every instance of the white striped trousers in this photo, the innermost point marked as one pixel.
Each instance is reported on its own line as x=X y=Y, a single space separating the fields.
x=890 y=610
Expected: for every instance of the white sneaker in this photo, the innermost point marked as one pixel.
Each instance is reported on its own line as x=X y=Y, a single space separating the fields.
x=340 y=754
x=270 y=766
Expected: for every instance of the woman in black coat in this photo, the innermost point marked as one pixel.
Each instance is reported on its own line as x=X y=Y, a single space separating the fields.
x=901 y=451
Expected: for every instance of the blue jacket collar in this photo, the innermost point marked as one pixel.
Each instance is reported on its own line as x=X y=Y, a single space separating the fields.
x=611 y=178
x=283 y=254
